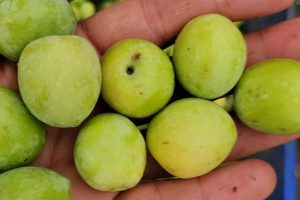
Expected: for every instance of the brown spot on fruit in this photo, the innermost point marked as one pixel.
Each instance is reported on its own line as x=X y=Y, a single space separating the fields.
x=136 y=56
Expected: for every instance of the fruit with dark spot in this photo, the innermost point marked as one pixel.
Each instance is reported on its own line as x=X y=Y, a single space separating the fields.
x=274 y=103
x=138 y=78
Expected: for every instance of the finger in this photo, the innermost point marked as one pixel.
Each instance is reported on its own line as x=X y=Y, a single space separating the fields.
x=160 y=21
x=8 y=74
x=281 y=40
x=249 y=179
x=251 y=141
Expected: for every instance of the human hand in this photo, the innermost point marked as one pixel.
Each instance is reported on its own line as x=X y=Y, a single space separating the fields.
x=160 y=21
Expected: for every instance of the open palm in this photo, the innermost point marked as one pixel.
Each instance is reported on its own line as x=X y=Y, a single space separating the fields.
x=160 y=21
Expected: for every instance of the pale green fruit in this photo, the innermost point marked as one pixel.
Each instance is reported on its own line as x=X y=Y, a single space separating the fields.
x=191 y=137
x=267 y=97
x=110 y=153
x=21 y=135
x=138 y=78
x=25 y=20
x=209 y=56
x=60 y=79
x=34 y=183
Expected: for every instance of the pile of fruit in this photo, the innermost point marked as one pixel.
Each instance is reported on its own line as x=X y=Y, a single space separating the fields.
x=61 y=77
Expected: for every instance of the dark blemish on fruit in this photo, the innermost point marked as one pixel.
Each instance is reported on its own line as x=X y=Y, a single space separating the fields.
x=234 y=189
x=254 y=121
x=136 y=56
x=130 y=69
x=165 y=142
x=25 y=160
x=205 y=69
x=249 y=91
x=188 y=48
x=141 y=93
x=253 y=178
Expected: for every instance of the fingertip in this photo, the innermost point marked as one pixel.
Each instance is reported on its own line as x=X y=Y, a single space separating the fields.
x=265 y=175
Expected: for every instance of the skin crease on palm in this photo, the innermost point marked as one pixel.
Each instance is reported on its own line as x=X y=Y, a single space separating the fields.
x=160 y=21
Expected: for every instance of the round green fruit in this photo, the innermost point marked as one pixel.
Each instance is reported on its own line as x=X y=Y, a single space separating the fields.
x=110 y=153
x=138 y=78
x=60 y=79
x=191 y=137
x=209 y=56
x=34 y=183
x=83 y=9
x=267 y=97
x=23 y=21
x=21 y=135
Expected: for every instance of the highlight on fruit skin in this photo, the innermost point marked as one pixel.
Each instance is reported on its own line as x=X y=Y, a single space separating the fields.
x=209 y=56
x=22 y=136
x=267 y=98
x=34 y=183
x=23 y=21
x=110 y=153
x=60 y=79
x=138 y=78
x=190 y=137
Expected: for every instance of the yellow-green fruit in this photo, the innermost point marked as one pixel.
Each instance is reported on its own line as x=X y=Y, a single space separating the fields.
x=60 y=79
x=190 y=137
x=23 y=21
x=21 y=135
x=209 y=56
x=138 y=78
x=34 y=183
x=267 y=97
x=83 y=9
x=110 y=153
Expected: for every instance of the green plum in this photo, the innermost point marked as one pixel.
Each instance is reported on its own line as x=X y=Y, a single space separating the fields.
x=191 y=137
x=110 y=153
x=209 y=56
x=267 y=98
x=25 y=20
x=34 y=183
x=60 y=79
x=83 y=9
x=138 y=78
x=21 y=135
